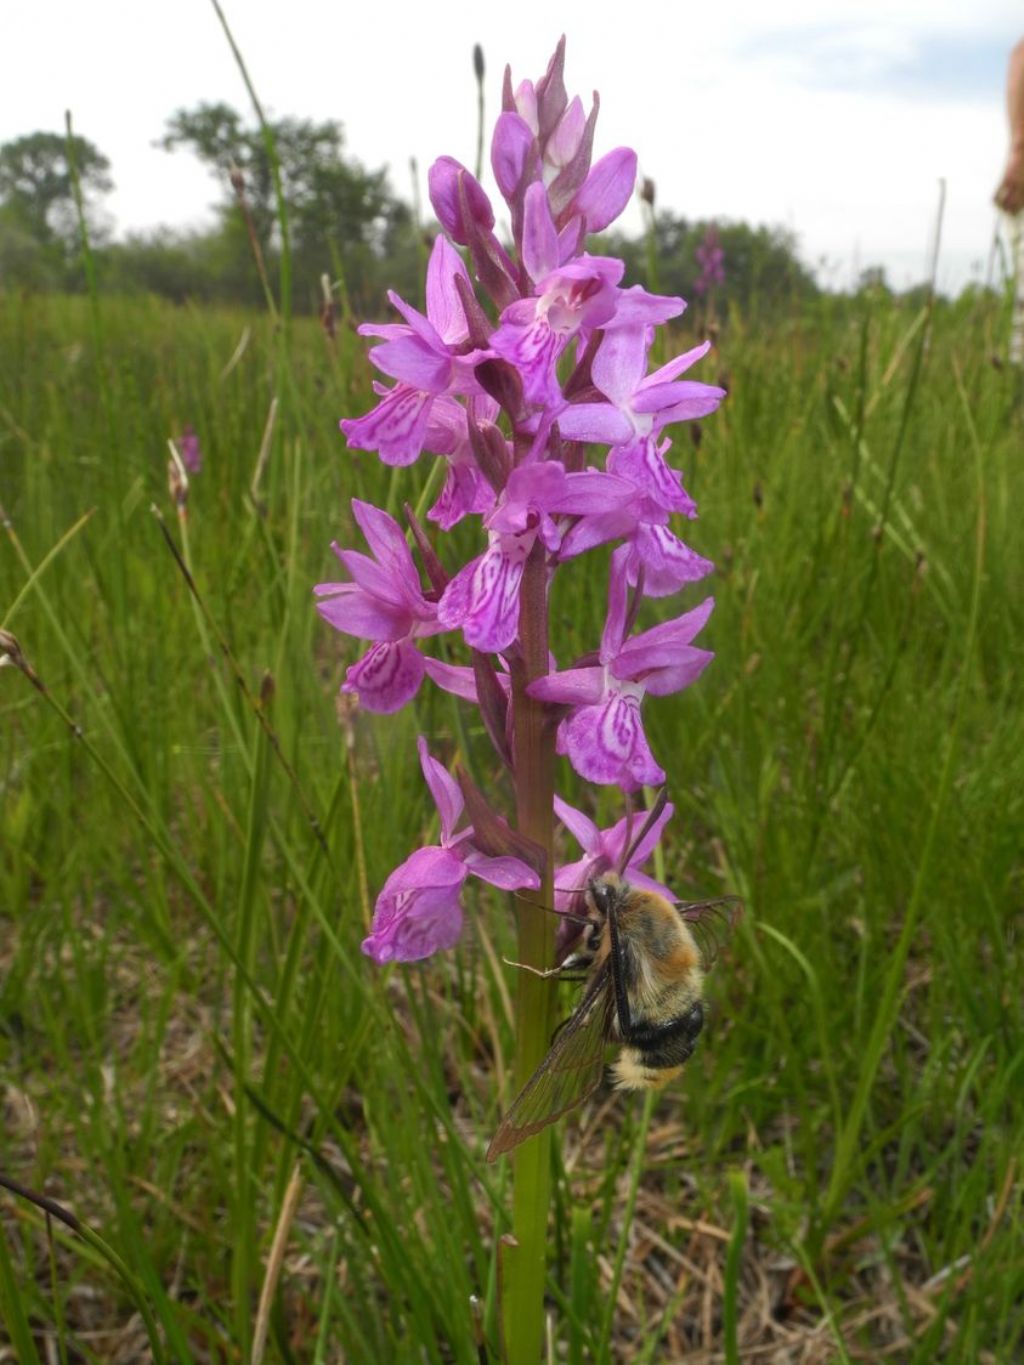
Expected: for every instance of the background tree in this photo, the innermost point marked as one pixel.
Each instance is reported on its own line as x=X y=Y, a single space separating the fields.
x=340 y=215
x=38 y=218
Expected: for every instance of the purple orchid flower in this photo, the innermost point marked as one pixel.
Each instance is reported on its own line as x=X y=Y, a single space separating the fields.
x=189 y=450
x=465 y=490
x=638 y=404
x=422 y=354
x=419 y=910
x=603 y=735
x=483 y=597
x=711 y=259
x=666 y=562
x=637 y=410
x=578 y=296
x=383 y=602
x=604 y=850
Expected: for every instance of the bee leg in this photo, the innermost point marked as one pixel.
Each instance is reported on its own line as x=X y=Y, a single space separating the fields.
x=534 y=971
x=565 y=971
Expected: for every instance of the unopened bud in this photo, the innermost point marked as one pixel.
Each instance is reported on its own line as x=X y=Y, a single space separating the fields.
x=10 y=651
x=758 y=495
x=478 y=63
x=504 y=384
x=177 y=483
x=491 y=452
x=12 y=656
x=237 y=179
x=177 y=479
x=696 y=434
x=647 y=191
x=327 y=310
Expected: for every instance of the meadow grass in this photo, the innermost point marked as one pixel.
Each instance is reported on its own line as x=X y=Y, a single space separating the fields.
x=283 y=1143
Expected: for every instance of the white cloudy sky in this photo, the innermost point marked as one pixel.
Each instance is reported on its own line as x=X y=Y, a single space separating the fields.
x=835 y=118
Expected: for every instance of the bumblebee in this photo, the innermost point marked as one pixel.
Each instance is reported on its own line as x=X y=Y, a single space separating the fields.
x=643 y=960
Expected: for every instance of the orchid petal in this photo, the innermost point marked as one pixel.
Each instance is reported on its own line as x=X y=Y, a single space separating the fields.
x=607 y=189
x=420 y=326
x=386 y=541
x=483 y=598
x=643 y=464
x=412 y=361
x=395 y=428
x=465 y=490
x=506 y=872
x=379 y=580
x=580 y=826
x=589 y=492
x=635 y=307
x=386 y=677
x=676 y=367
x=668 y=563
x=512 y=148
x=703 y=399
x=570 y=239
x=446 y=427
x=349 y=609
x=595 y=421
x=418 y=911
x=533 y=349
x=574 y=686
x=664 y=682
x=564 y=142
x=444 y=789
x=525 y=100
x=571 y=879
x=457 y=679
x=679 y=401
x=540 y=240
x=615 y=621
x=444 y=306
x=597 y=530
x=620 y=363
x=606 y=744
x=534 y=486
x=656 y=644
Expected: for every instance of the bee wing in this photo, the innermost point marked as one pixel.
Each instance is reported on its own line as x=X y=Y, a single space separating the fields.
x=711 y=923
x=572 y=1070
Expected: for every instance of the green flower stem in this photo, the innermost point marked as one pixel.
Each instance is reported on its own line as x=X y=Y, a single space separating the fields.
x=523 y=1263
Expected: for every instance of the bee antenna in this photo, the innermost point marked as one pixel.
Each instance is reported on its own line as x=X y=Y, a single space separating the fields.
x=569 y=916
x=653 y=815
